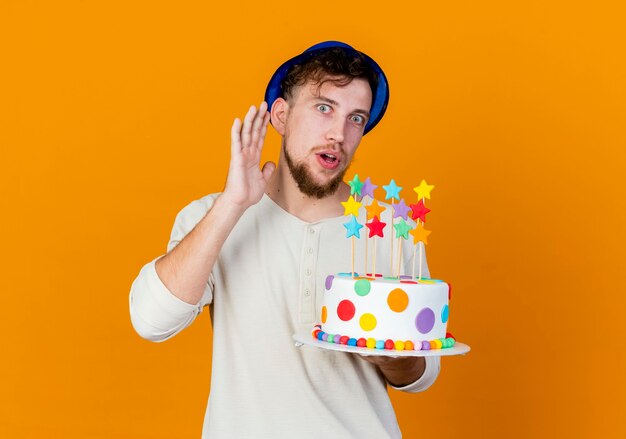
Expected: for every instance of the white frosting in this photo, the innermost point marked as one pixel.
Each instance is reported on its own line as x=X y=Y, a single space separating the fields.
x=399 y=324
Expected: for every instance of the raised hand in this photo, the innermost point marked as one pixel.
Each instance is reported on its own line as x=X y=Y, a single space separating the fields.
x=246 y=180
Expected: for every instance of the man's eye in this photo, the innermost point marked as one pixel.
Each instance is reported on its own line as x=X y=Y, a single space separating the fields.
x=323 y=108
x=358 y=119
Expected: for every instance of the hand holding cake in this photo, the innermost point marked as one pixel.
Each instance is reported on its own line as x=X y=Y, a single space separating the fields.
x=398 y=371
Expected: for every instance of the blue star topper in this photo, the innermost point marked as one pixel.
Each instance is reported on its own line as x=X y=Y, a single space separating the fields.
x=353 y=227
x=392 y=190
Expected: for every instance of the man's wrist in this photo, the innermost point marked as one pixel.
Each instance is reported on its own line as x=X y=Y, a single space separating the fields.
x=228 y=207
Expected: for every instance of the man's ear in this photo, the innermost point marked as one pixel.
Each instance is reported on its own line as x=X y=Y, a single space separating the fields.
x=278 y=115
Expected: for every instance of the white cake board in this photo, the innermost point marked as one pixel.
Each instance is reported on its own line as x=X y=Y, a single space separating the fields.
x=308 y=340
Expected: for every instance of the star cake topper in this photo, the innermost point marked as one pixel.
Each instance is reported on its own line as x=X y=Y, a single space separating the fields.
x=419 y=211
x=423 y=190
x=402 y=229
x=376 y=227
x=353 y=228
x=368 y=188
x=392 y=190
x=374 y=210
x=355 y=185
x=351 y=207
x=420 y=234
x=400 y=209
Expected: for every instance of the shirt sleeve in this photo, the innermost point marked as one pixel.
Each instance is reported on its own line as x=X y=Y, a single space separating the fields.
x=433 y=365
x=155 y=312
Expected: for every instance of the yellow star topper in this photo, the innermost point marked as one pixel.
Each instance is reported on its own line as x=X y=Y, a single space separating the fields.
x=420 y=234
x=374 y=209
x=423 y=190
x=351 y=206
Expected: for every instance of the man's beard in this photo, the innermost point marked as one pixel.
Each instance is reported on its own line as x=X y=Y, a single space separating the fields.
x=306 y=183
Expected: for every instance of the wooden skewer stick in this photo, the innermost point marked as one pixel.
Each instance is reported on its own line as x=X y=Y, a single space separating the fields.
x=421 y=250
x=399 y=256
x=374 y=266
x=366 y=254
x=421 y=247
x=365 y=266
x=352 y=257
x=391 y=237
x=415 y=250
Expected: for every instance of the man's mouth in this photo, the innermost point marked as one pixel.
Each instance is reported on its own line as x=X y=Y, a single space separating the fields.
x=328 y=158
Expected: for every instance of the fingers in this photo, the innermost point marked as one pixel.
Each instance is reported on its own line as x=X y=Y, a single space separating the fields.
x=259 y=122
x=254 y=127
x=266 y=121
x=246 y=131
x=235 y=137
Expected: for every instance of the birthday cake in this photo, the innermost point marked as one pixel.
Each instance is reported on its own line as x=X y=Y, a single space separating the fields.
x=386 y=313
x=401 y=312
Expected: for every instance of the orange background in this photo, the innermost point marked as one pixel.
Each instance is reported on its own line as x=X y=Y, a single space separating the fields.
x=114 y=115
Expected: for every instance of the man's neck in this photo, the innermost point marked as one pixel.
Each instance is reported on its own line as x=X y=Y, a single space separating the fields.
x=284 y=191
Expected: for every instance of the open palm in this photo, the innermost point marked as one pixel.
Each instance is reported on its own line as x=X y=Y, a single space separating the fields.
x=246 y=180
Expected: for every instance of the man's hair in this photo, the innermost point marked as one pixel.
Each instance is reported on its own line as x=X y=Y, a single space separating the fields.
x=337 y=65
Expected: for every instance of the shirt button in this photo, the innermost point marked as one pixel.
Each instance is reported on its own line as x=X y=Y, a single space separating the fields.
x=310 y=250
x=307 y=292
x=308 y=272
x=311 y=231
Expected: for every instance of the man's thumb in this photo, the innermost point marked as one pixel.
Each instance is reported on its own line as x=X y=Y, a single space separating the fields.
x=268 y=170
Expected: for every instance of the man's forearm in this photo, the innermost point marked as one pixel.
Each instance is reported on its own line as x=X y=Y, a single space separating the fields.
x=186 y=269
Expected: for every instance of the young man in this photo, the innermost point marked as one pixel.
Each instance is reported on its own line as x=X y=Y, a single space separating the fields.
x=258 y=252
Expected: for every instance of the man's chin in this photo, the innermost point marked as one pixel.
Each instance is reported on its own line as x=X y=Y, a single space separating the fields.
x=314 y=184
x=319 y=190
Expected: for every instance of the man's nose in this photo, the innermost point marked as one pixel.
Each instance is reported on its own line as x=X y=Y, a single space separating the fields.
x=336 y=131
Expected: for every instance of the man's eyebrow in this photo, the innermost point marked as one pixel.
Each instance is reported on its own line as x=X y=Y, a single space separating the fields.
x=333 y=102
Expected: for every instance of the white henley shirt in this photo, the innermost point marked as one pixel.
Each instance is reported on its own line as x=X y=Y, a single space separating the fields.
x=267 y=285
